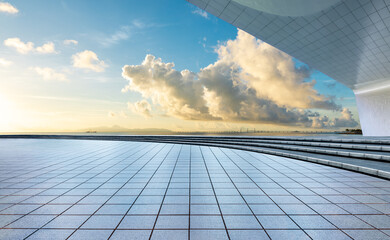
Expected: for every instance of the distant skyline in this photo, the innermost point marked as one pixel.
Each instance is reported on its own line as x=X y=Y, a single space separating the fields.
x=70 y=65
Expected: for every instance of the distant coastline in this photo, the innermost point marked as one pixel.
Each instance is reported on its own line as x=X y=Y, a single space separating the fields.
x=199 y=133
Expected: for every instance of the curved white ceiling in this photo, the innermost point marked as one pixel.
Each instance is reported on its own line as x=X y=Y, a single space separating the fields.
x=293 y=8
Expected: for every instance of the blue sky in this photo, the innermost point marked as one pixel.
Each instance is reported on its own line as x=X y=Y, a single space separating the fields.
x=119 y=33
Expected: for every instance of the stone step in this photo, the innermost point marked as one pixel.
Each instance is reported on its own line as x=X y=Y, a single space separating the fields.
x=354 y=146
x=373 y=168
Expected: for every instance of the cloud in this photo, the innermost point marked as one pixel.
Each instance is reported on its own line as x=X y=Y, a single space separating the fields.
x=272 y=73
x=125 y=32
x=8 y=8
x=120 y=114
x=122 y=34
x=50 y=74
x=250 y=82
x=201 y=13
x=70 y=42
x=203 y=42
x=5 y=63
x=19 y=46
x=46 y=48
x=88 y=60
x=139 y=24
x=28 y=47
x=179 y=93
x=141 y=107
x=346 y=120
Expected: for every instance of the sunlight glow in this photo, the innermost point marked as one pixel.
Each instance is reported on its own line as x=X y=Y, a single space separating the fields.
x=6 y=115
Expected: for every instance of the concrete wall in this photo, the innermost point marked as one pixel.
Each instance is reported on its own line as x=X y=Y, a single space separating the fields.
x=374 y=111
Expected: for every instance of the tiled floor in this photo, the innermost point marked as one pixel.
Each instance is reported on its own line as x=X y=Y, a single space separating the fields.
x=72 y=189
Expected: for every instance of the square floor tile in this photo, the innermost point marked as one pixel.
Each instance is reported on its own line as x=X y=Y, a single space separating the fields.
x=247 y=235
x=91 y=234
x=207 y=222
x=287 y=234
x=258 y=200
x=51 y=209
x=176 y=200
x=312 y=222
x=241 y=222
x=113 y=209
x=384 y=208
x=347 y=222
x=144 y=209
x=285 y=199
x=7 y=219
x=327 y=209
x=230 y=200
x=340 y=199
x=366 y=234
x=208 y=235
x=149 y=200
x=67 y=221
x=137 y=222
x=170 y=234
x=94 y=199
x=378 y=221
x=102 y=222
x=327 y=234
x=359 y=208
x=313 y=199
x=20 y=209
x=296 y=209
x=66 y=200
x=172 y=222
x=128 y=200
x=51 y=234
x=175 y=209
x=266 y=209
x=203 y=200
x=205 y=209
x=82 y=209
x=131 y=235
x=31 y=221
x=235 y=209
x=277 y=222
x=12 y=234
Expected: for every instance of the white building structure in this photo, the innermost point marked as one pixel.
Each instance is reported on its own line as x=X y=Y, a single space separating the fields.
x=349 y=40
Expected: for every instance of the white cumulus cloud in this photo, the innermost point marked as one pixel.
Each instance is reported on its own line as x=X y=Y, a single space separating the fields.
x=50 y=74
x=250 y=82
x=46 y=48
x=88 y=60
x=5 y=63
x=272 y=73
x=142 y=107
x=8 y=8
x=177 y=92
x=27 y=47
x=19 y=46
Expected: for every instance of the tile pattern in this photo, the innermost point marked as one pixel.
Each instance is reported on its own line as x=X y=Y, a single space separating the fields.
x=70 y=189
x=349 y=41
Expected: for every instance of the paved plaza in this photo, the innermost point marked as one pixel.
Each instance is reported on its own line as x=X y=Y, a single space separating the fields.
x=84 y=189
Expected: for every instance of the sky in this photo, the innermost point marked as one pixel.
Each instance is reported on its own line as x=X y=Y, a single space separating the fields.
x=73 y=65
